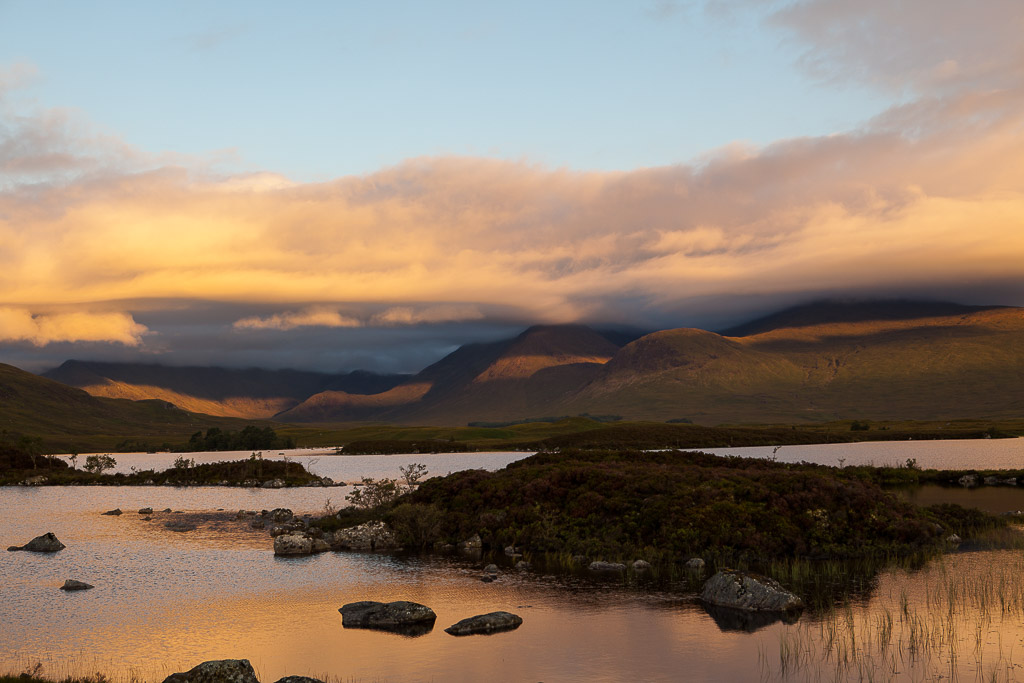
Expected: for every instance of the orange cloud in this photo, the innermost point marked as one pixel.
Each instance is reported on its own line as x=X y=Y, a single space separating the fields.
x=20 y=325
x=289 y=321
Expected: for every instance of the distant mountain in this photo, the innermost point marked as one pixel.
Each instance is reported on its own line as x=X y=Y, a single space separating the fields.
x=822 y=362
x=31 y=405
x=246 y=393
x=850 y=311
x=477 y=381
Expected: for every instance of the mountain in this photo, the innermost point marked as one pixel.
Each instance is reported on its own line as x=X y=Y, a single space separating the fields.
x=477 y=381
x=824 y=361
x=36 y=406
x=250 y=393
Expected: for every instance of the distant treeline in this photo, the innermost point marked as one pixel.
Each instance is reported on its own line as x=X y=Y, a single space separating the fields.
x=395 y=446
x=249 y=439
x=530 y=420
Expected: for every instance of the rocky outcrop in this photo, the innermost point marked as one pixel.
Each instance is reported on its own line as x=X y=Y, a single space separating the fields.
x=748 y=591
x=367 y=536
x=217 y=671
x=387 y=616
x=292 y=544
x=73 y=585
x=47 y=543
x=493 y=622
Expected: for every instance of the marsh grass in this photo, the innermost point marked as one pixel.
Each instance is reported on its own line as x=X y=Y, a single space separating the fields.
x=958 y=618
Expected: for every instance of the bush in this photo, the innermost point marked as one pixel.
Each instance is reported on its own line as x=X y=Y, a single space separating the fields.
x=96 y=464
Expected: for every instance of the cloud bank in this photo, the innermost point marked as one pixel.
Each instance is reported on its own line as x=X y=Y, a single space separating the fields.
x=927 y=196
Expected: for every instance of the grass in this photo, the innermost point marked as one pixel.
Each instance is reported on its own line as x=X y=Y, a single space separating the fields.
x=945 y=619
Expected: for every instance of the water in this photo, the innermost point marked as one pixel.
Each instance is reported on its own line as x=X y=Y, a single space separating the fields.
x=165 y=601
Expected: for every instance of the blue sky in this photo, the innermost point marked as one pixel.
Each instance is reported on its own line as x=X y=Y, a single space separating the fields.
x=323 y=89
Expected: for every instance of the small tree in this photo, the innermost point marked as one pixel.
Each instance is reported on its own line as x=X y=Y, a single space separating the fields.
x=74 y=460
x=97 y=463
x=412 y=474
x=371 y=494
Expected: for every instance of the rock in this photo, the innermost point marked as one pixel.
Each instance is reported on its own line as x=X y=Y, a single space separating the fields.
x=292 y=544
x=298 y=679
x=387 y=616
x=250 y=483
x=73 y=585
x=281 y=515
x=319 y=545
x=115 y=512
x=146 y=518
x=695 y=564
x=257 y=524
x=606 y=567
x=748 y=591
x=273 y=484
x=368 y=536
x=326 y=481
x=47 y=543
x=488 y=578
x=491 y=569
x=641 y=565
x=37 y=480
x=522 y=564
x=485 y=623
x=953 y=539
x=166 y=510
x=510 y=550
x=217 y=671
x=472 y=543
x=968 y=480
x=145 y=511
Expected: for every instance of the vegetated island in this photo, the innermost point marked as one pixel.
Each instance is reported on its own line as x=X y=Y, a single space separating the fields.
x=668 y=507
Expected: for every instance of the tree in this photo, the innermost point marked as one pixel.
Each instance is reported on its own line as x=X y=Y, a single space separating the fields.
x=97 y=463
x=31 y=446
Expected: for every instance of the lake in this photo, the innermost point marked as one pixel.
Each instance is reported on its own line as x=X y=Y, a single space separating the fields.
x=165 y=601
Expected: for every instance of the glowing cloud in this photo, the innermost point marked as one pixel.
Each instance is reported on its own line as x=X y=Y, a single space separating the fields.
x=17 y=325
x=289 y=321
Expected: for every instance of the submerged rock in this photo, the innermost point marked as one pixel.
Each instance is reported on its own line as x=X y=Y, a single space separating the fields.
x=292 y=544
x=748 y=591
x=217 y=671
x=47 y=543
x=73 y=585
x=387 y=616
x=493 y=622
x=115 y=512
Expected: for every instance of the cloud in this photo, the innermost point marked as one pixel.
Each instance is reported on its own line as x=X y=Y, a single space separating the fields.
x=927 y=196
x=407 y=315
x=18 y=325
x=289 y=321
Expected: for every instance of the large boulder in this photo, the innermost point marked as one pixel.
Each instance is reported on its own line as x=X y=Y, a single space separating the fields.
x=368 y=536
x=485 y=623
x=47 y=543
x=217 y=671
x=281 y=515
x=293 y=544
x=748 y=591
x=388 y=616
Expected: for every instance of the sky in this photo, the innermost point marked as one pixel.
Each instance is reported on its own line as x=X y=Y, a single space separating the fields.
x=342 y=185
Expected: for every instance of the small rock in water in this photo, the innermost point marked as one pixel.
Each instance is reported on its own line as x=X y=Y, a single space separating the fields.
x=641 y=565
x=493 y=622
x=491 y=569
x=145 y=511
x=47 y=543
x=114 y=512
x=695 y=564
x=292 y=544
x=606 y=567
x=73 y=585
x=522 y=564
x=387 y=616
x=748 y=591
x=217 y=671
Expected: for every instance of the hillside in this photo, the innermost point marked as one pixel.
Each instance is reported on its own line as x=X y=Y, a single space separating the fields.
x=61 y=415
x=822 y=362
x=251 y=393
x=477 y=381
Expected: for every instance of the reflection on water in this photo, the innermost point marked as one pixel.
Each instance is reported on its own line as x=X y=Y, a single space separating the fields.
x=166 y=601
